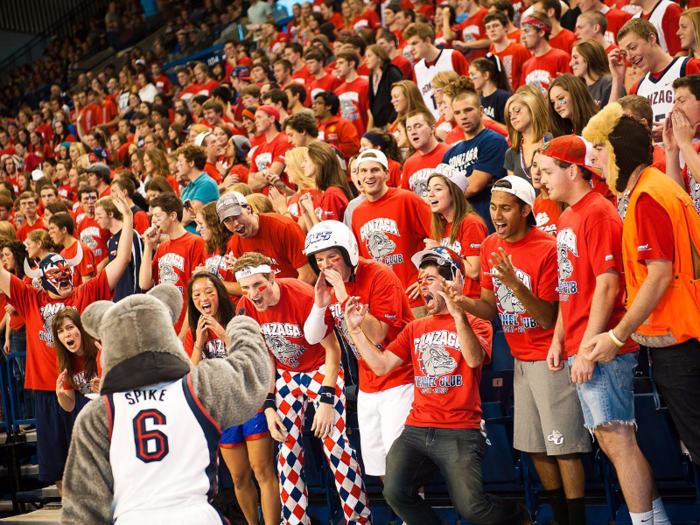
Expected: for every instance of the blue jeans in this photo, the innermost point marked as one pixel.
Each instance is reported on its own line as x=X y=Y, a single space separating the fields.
x=609 y=395
x=457 y=454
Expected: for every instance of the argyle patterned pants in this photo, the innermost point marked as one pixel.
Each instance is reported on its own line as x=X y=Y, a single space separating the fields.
x=294 y=391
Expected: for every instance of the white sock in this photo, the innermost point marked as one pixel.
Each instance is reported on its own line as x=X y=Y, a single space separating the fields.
x=660 y=517
x=642 y=518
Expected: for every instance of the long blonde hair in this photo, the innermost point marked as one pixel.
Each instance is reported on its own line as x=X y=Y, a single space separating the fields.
x=531 y=97
x=293 y=159
x=414 y=99
x=694 y=15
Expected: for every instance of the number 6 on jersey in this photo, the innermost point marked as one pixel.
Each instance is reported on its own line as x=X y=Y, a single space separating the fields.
x=151 y=444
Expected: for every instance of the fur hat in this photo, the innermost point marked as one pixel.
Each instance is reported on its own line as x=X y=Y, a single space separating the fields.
x=138 y=338
x=627 y=141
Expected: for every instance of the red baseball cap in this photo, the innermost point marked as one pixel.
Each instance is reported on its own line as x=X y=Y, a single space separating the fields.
x=270 y=110
x=571 y=149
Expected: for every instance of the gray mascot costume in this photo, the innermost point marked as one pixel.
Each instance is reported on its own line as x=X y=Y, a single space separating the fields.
x=146 y=451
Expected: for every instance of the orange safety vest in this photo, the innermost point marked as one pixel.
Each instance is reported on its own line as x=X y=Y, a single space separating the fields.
x=677 y=316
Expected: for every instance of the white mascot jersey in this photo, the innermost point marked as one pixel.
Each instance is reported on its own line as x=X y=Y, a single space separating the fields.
x=164 y=455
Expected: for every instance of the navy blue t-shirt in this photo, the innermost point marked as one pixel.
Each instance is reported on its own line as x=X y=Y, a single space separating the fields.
x=485 y=152
x=129 y=282
x=495 y=104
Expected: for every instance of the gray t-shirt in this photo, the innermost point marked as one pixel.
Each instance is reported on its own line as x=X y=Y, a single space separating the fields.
x=347 y=218
x=600 y=90
x=513 y=162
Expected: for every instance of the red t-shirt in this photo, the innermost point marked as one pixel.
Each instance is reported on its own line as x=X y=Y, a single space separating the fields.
x=293 y=202
x=90 y=233
x=279 y=238
x=214 y=347
x=108 y=112
x=541 y=71
x=354 y=101
x=589 y=243
x=564 y=40
x=391 y=230
x=616 y=19
x=472 y=232
x=418 y=168
x=68 y=193
x=446 y=388
x=141 y=221
x=211 y=170
x=163 y=83
x=87 y=265
x=38 y=309
x=514 y=37
x=534 y=258
x=395 y=169
x=404 y=65
x=513 y=57
x=330 y=204
x=88 y=117
x=381 y=291
x=206 y=89
x=174 y=262
x=472 y=29
x=319 y=85
x=268 y=153
x=282 y=327
x=26 y=228
x=78 y=367
x=368 y=19
x=653 y=227
x=341 y=134
x=547 y=214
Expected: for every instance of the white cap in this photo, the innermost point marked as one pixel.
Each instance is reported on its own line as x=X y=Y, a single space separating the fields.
x=522 y=189
x=455 y=176
x=199 y=139
x=37 y=174
x=373 y=155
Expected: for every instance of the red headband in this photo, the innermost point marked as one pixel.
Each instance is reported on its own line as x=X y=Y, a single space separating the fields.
x=536 y=23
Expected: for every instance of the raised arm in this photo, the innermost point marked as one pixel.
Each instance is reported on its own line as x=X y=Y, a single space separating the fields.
x=118 y=266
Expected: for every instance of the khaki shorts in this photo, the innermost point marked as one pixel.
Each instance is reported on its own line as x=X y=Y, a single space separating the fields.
x=548 y=416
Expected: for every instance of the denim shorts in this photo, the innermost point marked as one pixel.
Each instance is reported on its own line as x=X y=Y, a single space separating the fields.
x=609 y=395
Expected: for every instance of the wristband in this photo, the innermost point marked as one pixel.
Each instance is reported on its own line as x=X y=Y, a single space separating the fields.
x=615 y=340
x=270 y=402
x=327 y=395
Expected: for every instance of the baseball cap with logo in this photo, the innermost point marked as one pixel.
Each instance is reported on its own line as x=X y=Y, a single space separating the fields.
x=571 y=149
x=455 y=176
x=241 y=72
x=373 y=155
x=230 y=205
x=521 y=188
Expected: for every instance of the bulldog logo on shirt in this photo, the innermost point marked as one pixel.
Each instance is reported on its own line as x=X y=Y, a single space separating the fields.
x=166 y=268
x=348 y=109
x=379 y=245
x=622 y=205
x=47 y=312
x=694 y=187
x=566 y=243
x=436 y=361
x=215 y=348
x=286 y=353
x=508 y=301
x=88 y=237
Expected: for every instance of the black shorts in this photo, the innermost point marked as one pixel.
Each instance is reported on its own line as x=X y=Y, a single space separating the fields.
x=54 y=427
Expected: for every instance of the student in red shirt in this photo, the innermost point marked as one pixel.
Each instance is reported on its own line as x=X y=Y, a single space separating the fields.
x=512 y=54
x=205 y=83
x=318 y=80
x=364 y=16
x=293 y=53
x=547 y=211
x=99 y=177
x=616 y=18
x=420 y=128
x=447 y=349
x=277 y=237
x=455 y=225
x=303 y=373
x=268 y=158
x=322 y=166
x=28 y=205
x=334 y=130
x=665 y=15
x=521 y=288
x=38 y=307
x=390 y=42
x=175 y=259
x=470 y=38
x=161 y=81
x=383 y=402
x=593 y=25
x=546 y=62
x=391 y=224
x=353 y=92
x=560 y=37
x=509 y=9
x=589 y=253
x=61 y=229
x=89 y=231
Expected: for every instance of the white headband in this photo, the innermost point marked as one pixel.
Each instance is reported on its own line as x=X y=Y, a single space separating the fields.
x=252 y=270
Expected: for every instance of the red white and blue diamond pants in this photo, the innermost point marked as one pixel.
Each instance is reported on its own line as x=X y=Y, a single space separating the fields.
x=294 y=390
